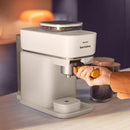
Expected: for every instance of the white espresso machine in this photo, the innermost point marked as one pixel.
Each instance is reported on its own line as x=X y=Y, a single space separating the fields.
x=45 y=57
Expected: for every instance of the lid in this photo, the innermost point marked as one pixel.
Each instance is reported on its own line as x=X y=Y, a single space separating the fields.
x=115 y=64
x=61 y=25
x=115 y=67
x=103 y=61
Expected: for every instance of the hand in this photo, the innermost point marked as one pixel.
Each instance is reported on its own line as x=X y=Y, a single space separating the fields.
x=84 y=73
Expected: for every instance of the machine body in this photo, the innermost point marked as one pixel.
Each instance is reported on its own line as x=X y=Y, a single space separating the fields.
x=46 y=59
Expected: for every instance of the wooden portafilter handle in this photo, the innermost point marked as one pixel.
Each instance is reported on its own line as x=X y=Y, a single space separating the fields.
x=94 y=74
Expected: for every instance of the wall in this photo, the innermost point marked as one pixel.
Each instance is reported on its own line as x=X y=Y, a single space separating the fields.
x=11 y=9
x=127 y=33
x=65 y=9
x=111 y=20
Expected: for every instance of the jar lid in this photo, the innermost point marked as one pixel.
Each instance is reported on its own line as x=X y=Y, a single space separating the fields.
x=103 y=61
x=115 y=64
x=115 y=67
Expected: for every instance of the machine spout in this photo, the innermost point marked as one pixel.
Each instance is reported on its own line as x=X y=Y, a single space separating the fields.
x=67 y=70
x=68 y=76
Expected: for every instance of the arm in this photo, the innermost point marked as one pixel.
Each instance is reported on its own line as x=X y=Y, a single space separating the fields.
x=119 y=81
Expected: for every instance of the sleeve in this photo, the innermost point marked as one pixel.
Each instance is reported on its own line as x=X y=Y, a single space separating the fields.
x=120 y=83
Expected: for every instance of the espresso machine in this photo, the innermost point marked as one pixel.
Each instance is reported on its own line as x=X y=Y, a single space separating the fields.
x=46 y=56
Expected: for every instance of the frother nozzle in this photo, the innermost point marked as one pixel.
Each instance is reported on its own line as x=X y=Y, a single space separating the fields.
x=68 y=76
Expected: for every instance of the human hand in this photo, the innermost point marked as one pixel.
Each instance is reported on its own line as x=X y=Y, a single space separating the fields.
x=84 y=73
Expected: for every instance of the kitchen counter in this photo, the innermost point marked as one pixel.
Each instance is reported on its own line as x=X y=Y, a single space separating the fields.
x=112 y=115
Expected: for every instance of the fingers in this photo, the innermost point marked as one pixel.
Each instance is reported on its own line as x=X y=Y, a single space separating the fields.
x=75 y=70
x=80 y=71
x=83 y=71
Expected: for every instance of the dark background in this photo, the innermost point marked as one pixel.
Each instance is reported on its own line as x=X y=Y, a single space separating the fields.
x=8 y=69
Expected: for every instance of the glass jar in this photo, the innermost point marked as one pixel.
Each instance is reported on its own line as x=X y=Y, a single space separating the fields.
x=103 y=93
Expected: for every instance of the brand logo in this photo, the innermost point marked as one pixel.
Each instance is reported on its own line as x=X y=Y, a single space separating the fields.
x=85 y=45
x=85 y=42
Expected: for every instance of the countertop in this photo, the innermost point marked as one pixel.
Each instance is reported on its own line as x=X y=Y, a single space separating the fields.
x=112 y=115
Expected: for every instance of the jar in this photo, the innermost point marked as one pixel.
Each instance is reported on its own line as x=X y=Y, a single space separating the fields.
x=103 y=93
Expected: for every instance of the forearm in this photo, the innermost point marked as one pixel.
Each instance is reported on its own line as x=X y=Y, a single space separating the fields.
x=120 y=83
